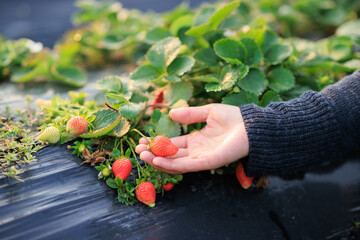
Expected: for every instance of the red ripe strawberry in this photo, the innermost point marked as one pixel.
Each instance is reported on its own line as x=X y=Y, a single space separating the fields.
x=145 y=193
x=122 y=168
x=76 y=125
x=168 y=186
x=161 y=146
x=50 y=135
x=159 y=99
x=244 y=180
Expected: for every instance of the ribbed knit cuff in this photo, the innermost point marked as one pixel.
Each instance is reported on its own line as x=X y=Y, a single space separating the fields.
x=344 y=98
x=291 y=136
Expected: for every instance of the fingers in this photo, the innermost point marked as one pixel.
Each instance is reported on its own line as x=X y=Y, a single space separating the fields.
x=180 y=142
x=180 y=165
x=141 y=148
x=148 y=157
x=143 y=141
x=181 y=153
x=190 y=114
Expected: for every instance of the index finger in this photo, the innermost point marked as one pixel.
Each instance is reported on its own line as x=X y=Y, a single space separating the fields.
x=143 y=141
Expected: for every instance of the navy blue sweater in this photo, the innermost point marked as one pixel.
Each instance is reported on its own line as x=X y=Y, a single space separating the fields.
x=291 y=136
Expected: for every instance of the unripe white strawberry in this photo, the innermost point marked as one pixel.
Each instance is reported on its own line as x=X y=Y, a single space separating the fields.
x=76 y=125
x=50 y=135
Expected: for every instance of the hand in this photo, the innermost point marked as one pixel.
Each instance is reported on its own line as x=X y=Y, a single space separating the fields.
x=222 y=141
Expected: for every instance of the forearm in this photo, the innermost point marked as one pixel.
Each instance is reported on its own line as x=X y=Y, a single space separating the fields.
x=314 y=128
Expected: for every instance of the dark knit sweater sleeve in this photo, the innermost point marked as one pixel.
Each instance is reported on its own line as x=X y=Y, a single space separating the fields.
x=315 y=128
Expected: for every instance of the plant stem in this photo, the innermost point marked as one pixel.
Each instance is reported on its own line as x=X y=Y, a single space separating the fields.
x=137 y=161
x=121 y=147
x=134 y=129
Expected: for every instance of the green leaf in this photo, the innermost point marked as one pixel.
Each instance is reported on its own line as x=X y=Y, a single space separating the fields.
x=138 y=97
x=206 y=56
x=212 y=78
x=241 y=98
x=167 y=127
x=105 y=120
x=221 y=14
x=156 y=115
x=198 y=31
x=113 y=42
x=254 y=53
x=295 y=92
x=256 y=34
x=130 y=110
x=116 y=152
x=269 y=39
x=119 y=182
x=351 y=29
x=206 y=20
x=181 y=65
x=325 y=64
x=145 y=73
x=277 y=53
x=268 y=97
x=180 y=10
x=121 y=129
x=232 y=51
x=173 y=78
x=157 y=34
x=203 y=15
x=181 y=22
x=67 y=51
x=186 y=39
x=232 y=74
x=176 y=91
x=115 y=100
x=71 y=76
x=164 y=52
x=253 y=82
x=281 y=79
x=109 y=84
x=353 y=64
x=340 y=52
x=128 y=153
x=23 y=75
x=111 y=183
x=340 y=48
x=180 y=104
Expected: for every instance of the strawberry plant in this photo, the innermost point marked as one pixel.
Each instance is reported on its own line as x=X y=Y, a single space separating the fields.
x=227 y=52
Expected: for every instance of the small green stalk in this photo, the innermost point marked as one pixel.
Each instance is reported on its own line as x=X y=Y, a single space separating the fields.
x=134 y=129
x=137 y=161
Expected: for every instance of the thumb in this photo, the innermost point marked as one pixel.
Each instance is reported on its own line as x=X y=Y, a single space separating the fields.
x=190 y=115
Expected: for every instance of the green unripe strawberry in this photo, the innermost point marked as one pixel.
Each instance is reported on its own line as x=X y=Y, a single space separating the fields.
x=81 y=148
x=50 y=135
x=106 y=172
